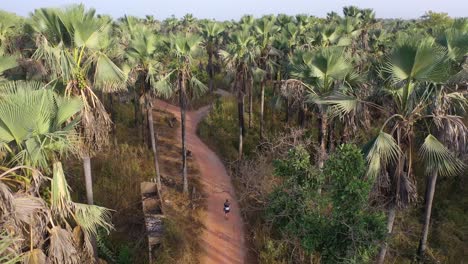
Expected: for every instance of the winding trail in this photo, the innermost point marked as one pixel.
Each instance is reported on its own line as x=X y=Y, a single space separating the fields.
x=222 y=239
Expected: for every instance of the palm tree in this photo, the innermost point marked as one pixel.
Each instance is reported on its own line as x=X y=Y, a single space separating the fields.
x=184 y=47
x=212 y=35
x=322 y=72
x=352 y=11
x=416 y=73
x=143 y=57
x=266 y=31
x=189 y=24
x=457 y=47
x=74 y=45
x=35 y=130
x=239 y=57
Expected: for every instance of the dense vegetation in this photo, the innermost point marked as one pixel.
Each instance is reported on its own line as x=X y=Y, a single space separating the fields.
x=334 y=128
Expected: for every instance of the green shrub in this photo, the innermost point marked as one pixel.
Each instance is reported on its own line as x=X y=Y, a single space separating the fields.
x=337 y=224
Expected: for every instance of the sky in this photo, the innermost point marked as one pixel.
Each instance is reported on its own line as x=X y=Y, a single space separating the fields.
x=234 y=9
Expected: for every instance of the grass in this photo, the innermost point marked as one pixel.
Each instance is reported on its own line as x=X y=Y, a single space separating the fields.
x=117 y=174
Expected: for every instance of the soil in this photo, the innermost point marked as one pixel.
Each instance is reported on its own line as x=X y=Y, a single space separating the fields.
x=222 y=240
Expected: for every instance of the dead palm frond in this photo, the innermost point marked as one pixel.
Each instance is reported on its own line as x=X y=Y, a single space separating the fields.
x=62 y=248
x=35 y=256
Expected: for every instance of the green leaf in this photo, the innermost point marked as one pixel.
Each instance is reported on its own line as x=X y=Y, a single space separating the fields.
x=384 y=151
x=437 y=157
x=92 y=217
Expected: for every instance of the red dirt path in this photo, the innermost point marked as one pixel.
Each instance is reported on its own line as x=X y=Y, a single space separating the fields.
x=222 y=240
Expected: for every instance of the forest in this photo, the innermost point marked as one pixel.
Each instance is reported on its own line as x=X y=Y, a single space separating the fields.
x=337 y=139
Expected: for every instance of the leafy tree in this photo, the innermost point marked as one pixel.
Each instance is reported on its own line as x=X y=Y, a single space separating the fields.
x=357 y=227
x=339 y=225
x=433 y=20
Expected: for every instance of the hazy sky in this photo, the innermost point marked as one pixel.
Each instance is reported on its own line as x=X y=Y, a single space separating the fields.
x=234 y=9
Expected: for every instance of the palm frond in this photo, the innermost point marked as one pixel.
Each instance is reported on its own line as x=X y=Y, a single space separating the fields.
x=60 y=198
x=28 y=209
x=384 y=151
x=62 y=248
x=6 y=200
x=198 y=87
x=35 y=256
x=420 y=60
x=341 y=104
x=162 y=86
x=108 y=77
x=92 y=217
x=438 y=158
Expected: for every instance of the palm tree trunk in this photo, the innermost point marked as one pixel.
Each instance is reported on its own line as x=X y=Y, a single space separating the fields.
x=88 y=179
x=345 y=134
x=262 y=106
x=240 y=107
x=210 y=70
x=240 y=113
x=323 y=138
x=331 y=137
x=136 y=108
x=182 y=95
x=250 y=102
x=390 y=222
x=143 y=123
x=112 y=113
x=427 y=213
x=301 y=117
x=154 y=148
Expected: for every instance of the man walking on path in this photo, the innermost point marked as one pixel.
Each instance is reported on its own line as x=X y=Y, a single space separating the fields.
x=227 y=208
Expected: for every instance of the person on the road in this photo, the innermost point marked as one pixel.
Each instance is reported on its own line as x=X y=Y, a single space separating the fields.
x=227 y=208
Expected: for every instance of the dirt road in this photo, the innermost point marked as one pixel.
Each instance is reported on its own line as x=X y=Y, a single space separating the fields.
x=222 y=240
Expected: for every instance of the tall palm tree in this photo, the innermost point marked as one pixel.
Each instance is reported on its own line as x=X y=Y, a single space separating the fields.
x=450 y=101
x=417 y=71
x=212 y=37
x=74 y=44
x=142 y=57
x=323 y=72
x=239 y=57
x=184 y=48
x=266 y=31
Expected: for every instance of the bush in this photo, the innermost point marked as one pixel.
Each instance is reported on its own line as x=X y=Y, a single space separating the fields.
x=337 y=224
